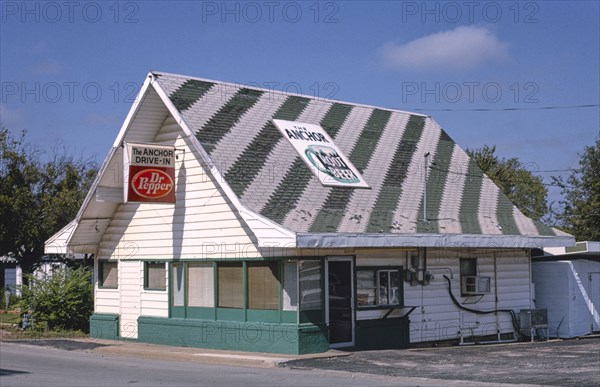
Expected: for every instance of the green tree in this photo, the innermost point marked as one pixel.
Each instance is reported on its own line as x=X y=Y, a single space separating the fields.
x=40 y=192
x=581 y=205
x=64 y=299
x=526 y=190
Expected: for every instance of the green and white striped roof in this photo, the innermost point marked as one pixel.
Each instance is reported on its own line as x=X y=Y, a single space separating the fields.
x=233 y=124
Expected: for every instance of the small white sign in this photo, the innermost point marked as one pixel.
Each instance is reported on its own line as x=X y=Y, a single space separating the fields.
x=322 y=156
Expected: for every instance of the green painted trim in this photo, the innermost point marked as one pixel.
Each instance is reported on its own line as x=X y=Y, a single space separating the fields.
x=231 y=314
x=177 y=312
x=232 y=335
x=188 y=93
x=146 y=276
x=383 y=211
x=253 y=158
x=268 y=316
x=245 y=288
x=469 y=206
x=104 y=326
x=279 y=290
x=201 y=313
x=289 y=317
x=101 y=263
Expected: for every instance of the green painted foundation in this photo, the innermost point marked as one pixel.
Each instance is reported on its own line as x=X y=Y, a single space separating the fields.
x=389 y=333
x=233 y=335
x=104 y=326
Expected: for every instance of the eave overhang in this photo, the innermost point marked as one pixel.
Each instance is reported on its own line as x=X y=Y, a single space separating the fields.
x=349 y=240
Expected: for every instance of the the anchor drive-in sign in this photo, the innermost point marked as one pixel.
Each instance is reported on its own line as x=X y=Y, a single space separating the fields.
x=321 y=155
x=149 y=173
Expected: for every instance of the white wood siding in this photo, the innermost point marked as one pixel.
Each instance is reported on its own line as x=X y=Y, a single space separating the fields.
x=202 y=224
x=436 y=317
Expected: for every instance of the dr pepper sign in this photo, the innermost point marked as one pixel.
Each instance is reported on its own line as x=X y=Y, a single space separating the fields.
x=151 y=173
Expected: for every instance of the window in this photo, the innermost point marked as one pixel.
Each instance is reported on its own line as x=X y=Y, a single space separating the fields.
x=290 y=286
x=201 y=285
x=310 y=285
x=470 y=282
x=379 y=287
x=108 y=274
x=468 y=267
x=230 y=280
x=155 y=276
x=263 y=285
x=177 y=294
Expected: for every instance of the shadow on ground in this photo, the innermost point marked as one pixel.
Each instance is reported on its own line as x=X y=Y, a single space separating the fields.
x=64 y=344
x=562 y=363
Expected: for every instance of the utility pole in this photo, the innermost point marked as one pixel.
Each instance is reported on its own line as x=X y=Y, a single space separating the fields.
x=426 y=167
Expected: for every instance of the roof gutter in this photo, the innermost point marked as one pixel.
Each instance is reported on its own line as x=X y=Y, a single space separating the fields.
x=351 y=240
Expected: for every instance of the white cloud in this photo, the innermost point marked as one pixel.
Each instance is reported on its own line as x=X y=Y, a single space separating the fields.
x=463 y=48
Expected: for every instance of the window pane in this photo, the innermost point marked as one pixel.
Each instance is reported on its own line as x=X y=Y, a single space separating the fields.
x=310 y=285
x=109 y=273
x=366 y=287
x=468 y=266
x=383 y=288
x=290 y=286
x=156 y=275
x=263 y=285
x=231 y=286
x=394 y=287
x=201 y=285
x=177 y=284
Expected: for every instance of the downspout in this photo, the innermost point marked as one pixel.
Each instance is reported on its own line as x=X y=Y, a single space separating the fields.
x=496 y=295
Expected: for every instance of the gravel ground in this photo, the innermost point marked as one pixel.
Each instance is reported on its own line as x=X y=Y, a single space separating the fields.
x=557 y=363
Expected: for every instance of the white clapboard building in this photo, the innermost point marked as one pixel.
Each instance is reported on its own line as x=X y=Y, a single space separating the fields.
x=567 y=284
x=227 y=216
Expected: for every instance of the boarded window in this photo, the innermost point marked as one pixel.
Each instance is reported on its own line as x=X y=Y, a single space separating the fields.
x=231 y=285
x=201 y=285
x=108 y=274
x=156 y=276
x=263 y=285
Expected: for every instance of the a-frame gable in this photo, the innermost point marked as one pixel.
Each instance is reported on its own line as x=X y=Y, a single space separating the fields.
x=154 y=119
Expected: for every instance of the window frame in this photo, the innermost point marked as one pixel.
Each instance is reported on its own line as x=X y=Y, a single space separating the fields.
x=101 y=264
x=474 y=273
x=147 y=275
x=376 y=270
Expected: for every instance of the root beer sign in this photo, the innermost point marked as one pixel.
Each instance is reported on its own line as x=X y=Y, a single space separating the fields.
x=151 y=173
x=321 y=155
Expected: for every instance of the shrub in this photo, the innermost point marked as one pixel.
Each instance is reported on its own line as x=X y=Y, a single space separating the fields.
x=63 y=300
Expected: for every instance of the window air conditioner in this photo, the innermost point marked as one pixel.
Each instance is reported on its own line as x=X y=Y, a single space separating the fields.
x=471 y=285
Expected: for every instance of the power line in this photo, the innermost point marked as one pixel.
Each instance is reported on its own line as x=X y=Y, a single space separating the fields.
x=472 y=175
x=508 y=109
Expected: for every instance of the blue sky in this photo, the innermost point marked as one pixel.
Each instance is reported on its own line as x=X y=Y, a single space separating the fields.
x=70 y=70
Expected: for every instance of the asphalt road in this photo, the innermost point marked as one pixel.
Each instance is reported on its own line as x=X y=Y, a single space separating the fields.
x=554 y=363
x=34 y=365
